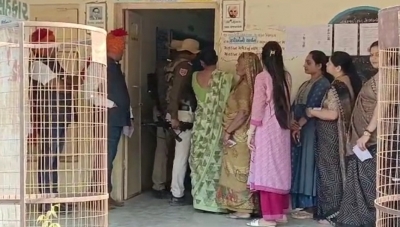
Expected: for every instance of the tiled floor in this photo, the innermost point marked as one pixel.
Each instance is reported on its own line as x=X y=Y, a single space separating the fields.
x=145 y=211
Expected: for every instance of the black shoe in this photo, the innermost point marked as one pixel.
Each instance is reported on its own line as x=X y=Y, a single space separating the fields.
x=189 y=197
x=178 y=201
x=161 y=194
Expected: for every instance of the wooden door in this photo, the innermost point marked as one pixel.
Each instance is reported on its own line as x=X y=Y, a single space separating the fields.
x=132 y=161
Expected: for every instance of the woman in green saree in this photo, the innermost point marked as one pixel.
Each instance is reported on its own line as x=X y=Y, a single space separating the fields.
x=212 y=88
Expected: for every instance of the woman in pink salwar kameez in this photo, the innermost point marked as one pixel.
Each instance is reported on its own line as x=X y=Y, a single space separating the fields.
x=269 y=138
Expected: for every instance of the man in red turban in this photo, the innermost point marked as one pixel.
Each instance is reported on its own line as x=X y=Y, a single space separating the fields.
x=44 y=36
x=119 y=111
x=52 y=108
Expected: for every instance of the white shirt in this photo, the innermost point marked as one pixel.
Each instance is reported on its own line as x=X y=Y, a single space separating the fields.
x=91 y=86
x=41 y=72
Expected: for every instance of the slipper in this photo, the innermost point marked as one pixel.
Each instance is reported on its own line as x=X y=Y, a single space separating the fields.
x=296 y=210
x=256 y=223
x=234 y=216
x=302 y=215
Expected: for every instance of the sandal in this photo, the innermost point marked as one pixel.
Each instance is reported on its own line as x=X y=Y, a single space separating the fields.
x=256 y=223
x=302 y=215
x=236 y=216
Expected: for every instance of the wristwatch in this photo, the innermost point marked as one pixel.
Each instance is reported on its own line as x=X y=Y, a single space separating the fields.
x=366 y=133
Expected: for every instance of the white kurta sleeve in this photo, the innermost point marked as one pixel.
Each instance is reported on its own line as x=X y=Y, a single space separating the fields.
x=90 y=88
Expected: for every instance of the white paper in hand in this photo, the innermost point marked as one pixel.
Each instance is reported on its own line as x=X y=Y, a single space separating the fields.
x=128 y=131
x=362 y=155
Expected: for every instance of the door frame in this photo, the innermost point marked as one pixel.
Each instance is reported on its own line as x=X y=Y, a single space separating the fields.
x=119 y=22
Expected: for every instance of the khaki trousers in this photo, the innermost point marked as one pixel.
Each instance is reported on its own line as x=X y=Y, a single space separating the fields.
x=160 y=161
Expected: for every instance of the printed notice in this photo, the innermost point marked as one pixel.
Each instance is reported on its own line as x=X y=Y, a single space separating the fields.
x=233 y=16
x=368 y=35
x=296 y=41
x=346 y=38
x=233 y=44
x=99 y=47
x=320 y=38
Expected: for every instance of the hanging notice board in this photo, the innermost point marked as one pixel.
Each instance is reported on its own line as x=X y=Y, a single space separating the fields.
x=359 y=15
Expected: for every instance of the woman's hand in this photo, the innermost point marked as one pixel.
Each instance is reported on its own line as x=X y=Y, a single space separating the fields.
x=250 y=137
x=296 y=136
x=250 y=141
x=226 y=137
x=362 y=141
x=295 y=126
x=309 y=112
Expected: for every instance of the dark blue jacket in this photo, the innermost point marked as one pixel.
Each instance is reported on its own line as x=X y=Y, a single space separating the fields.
x=117 y=91
x=55 y=107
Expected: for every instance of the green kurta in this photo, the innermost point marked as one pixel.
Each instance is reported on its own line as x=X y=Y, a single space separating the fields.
x=206 y=150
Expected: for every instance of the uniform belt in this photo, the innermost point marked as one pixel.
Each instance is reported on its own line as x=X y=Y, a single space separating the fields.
x=184 y=107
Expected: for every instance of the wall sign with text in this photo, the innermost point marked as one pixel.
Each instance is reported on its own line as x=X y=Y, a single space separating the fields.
x=14 y=8
x=233 y=16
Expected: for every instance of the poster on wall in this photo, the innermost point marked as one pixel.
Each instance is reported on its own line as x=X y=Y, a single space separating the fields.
x=368 y=35
x=301 y=40
x=96 y=15
x=357 y=20
x=233 y=16
x=346 y=38
x=320 y=38
x=296 y=38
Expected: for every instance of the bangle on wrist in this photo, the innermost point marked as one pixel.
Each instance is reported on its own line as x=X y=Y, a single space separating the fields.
x=367 y=133
x=250 y=132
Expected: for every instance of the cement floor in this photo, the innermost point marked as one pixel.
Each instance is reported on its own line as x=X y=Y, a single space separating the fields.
x=145 y=211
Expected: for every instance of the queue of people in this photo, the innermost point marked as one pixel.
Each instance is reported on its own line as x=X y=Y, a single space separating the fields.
x=254 y=153
x=250 y=150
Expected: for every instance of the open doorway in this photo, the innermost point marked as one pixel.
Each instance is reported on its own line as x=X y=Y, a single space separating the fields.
x=150 y=31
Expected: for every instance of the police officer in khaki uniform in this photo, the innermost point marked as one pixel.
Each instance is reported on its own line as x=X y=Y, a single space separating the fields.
x=163 y=138
x=181 y=106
